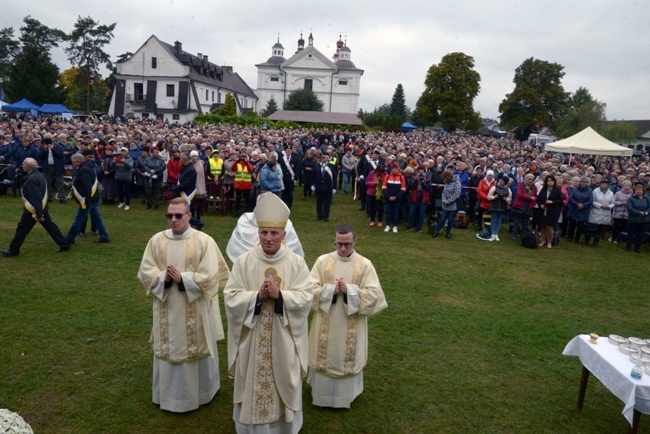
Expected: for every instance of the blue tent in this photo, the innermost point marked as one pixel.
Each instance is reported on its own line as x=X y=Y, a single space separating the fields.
x=55 y=109
x=23 y=105
x=407 y=126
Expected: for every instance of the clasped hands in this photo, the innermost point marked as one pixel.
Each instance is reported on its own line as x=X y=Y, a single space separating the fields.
x=173 y=273
x=269 y=289
x=340 y=287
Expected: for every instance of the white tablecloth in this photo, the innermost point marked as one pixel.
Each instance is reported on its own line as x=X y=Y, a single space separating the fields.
x=613 y=368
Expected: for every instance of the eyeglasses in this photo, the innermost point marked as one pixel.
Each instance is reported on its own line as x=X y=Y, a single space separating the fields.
x=177 y=216
x=346 y=245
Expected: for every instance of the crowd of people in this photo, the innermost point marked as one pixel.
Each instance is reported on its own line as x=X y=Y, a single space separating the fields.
x=398 y=178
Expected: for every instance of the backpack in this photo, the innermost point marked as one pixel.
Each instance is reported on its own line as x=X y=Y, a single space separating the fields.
x=528 y=240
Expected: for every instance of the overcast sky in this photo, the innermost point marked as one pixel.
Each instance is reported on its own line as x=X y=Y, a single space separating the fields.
x=604 y=45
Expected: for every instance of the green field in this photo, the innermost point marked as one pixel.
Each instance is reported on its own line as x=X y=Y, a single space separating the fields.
x=471 y=341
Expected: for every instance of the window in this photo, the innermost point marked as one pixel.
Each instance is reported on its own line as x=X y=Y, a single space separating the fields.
x=343 y=82
x=207 y=92
x=218 y=97
x=176 y=117
x=275 y=78
x=170 y=90
x=154 y=63
x=309 y=83
x=138 y=92
x=213 y=96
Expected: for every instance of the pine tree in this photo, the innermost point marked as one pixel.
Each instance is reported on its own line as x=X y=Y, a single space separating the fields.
x=230 y=106
x=398 y=105
x=271 y=107
x=303 y=100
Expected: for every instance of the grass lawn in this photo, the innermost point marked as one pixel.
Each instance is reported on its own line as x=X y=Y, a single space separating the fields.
x=471 y=341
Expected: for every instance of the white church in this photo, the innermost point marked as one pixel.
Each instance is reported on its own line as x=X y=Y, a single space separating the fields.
x=335 y=81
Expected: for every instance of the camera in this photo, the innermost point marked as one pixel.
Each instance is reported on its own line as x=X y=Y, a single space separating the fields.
x=421 y=177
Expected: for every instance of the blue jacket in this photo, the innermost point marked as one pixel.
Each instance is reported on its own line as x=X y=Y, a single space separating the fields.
x=586 y=198
x=270 y=180
x=57 y=155
x=635 y=206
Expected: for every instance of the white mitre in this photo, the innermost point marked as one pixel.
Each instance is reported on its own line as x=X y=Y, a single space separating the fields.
x=271 y=212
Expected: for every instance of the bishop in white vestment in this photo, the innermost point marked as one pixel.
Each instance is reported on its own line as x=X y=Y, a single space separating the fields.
x=183 y=270
x=347 y=292
x=268 y=298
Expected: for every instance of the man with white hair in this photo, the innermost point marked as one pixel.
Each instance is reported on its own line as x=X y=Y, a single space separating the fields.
x=34 y=195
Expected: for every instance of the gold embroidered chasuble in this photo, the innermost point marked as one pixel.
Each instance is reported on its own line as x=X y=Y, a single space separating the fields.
x=267 y=353
x=338 y=337
x=186 y=325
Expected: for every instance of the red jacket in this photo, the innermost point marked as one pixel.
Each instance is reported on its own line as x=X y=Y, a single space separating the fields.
x=243 y=175
x=482 y=192
x=173 y=171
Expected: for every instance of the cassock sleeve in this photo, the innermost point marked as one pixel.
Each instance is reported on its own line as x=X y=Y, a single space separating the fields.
x=354 y=299
x=372 y=299
x=152 y=273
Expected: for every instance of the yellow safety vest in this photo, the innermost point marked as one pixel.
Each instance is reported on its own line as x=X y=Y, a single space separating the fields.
x=216 y=167
x=242 y=174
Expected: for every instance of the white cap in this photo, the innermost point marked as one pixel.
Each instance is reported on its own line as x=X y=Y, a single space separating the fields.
x=489 y=172
x=194 y=154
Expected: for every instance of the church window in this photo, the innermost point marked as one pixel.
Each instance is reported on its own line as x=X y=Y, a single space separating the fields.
x=275 y=78
x=154 y=62
x=343 y=82
x=309 y=83
x=207 y=93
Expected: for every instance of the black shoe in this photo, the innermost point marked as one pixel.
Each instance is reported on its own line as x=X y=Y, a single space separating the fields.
x=102 y=240
x=8 y=253
x=199 y=226
x=435 y=234
x=418 y=231
x=448 y=235
x=319 y=217
x=63 y=249
x=362 y=209
x=142 y=202
x=148 y=207
x=326 y=219
x=408 y=229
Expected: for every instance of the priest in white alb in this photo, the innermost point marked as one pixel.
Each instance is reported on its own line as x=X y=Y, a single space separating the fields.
x=268 y=298
x=347 y=293
x=183 y=270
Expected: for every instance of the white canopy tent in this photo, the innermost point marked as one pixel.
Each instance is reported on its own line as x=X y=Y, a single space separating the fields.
x=588 y=141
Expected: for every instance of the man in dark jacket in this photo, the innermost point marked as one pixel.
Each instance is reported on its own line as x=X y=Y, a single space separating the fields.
x=34 y=194
x=85 y=190
x=154 y=167
x=186 y=187
x=324 y=185
x=290 y=165
x=51 y=157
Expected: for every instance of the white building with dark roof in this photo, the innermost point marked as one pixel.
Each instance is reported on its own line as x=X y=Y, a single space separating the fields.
x=335 y=81
x=161 y=80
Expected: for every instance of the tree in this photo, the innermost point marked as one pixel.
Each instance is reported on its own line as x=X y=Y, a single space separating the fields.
x=230 y=106
x=398 y=104
x=619 y=132
x=36 y=34
x=450 y=89
x=33 y=76
x=538 y=100
x=9 y=49
x=303 y=100
x=72 y=86
x=271 y=107
x=86 y=50
x=583 y=111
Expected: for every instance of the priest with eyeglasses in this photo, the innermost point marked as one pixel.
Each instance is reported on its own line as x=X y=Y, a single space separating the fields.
x=183 y=269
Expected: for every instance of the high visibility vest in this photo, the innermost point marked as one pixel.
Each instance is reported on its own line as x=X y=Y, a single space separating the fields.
x=216 y=167
x=333 y=160
x=243 y=180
